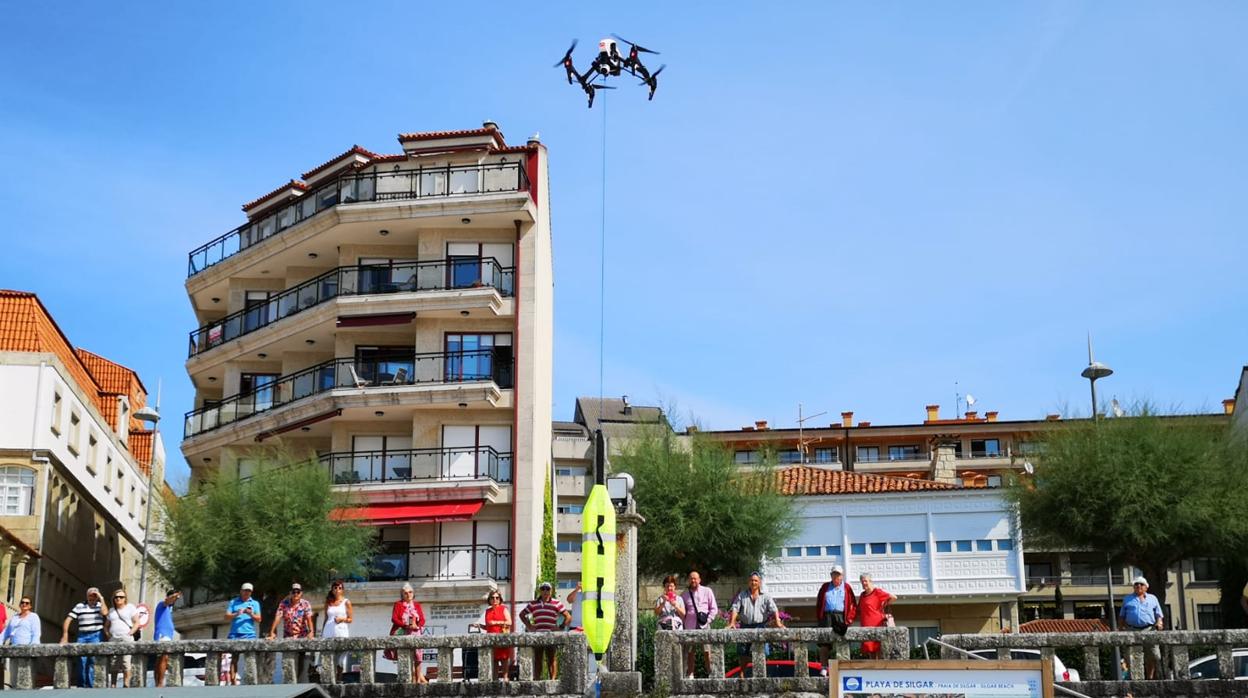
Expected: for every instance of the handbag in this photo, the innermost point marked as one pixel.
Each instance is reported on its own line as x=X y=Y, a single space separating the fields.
x=888 y=621
x=393 y=654
x=702 y=616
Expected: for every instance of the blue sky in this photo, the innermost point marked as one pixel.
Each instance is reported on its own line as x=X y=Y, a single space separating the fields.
x=847 y=206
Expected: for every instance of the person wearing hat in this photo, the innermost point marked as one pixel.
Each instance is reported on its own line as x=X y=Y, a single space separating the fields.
x=164 y=631
x=545 y=614
x=1142 y=611
x=244 y=615
x=835 y=607
x=90 y=619
x=295 y=614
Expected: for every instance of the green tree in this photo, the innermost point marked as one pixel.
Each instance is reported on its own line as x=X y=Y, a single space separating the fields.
x=702 y=510
x=549 y=561
x=1145 y=489
x=272 y=529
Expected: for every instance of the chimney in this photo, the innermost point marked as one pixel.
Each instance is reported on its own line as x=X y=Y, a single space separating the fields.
x=489 y=124
x=847 y=419
x=761 y=425
x=628 y=409
x=1052 y=417
x=691 y=429
x=991 y=416
x=933 y=413
x=747 y=428
x=864 y=424
x=972 y=415
x=1228 y=406
x=944 y=462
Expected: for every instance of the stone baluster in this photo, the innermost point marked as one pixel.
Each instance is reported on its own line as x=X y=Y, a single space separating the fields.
x=60 y=672
x=801 y=660
x=173 y=675
x=1179 y=660
x=212 y=668
x=446 y=664
x=524 y=657
x=758 y=655
x=485 y=663
x=329 y=664
x=1226 y=661
x=367 y=670
x=716 y=670
x=23 y=673
x=250 y=668
x=1091 y=663
x=1136 y=653
x=290 y=666
x=404 y=662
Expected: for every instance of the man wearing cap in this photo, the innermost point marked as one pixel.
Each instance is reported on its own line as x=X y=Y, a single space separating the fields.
x=90 y=618
x=545 y=614
x=295 y=614
x=163 y=631
x=244 y=615
x=1141 y=611
x=835 y=608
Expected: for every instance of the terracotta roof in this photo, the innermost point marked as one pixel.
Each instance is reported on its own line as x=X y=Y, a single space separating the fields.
x=354 y=150
x=142 y=442
x=805 y=480
x=434 y=135
x=515 y=149
x=1071 y=625
x=111 y=376
x=387 y=158
x=292 y=183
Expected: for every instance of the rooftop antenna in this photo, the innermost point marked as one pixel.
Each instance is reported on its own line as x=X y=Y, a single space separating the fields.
x=801 y=431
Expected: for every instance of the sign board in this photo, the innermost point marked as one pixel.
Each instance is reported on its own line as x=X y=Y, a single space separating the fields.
x=941 y=679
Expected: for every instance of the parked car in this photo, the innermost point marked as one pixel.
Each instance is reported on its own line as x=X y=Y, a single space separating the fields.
x=777 y=668
x=1060 y=672
x=1207 y=667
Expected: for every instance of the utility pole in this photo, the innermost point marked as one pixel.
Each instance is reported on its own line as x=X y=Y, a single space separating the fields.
x=801 y=432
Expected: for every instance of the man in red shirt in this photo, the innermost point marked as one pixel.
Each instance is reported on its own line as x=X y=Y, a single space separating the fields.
x=545 y=614
x=835 y=608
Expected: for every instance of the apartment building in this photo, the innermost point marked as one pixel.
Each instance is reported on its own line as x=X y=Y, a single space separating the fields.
x=974 y=451
x=392 y=314
x=74 y=468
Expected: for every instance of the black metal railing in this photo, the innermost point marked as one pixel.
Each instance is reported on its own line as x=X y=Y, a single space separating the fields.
x=420 y=183
x=418 y=464
x=442 y=562
x=361 y=280
x=391 y=372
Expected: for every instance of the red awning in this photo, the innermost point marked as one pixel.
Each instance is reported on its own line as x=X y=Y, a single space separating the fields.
x=395 y=514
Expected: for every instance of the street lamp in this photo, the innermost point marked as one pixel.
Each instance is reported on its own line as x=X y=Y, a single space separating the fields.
x=147 y=415
x=1095 y=370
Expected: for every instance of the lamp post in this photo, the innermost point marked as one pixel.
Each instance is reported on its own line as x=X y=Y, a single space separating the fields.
x=147 y=415
x=1094 y=371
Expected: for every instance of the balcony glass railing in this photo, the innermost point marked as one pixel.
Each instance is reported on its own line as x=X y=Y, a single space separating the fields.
x=422 y=183
x=372 y=279
x=392 y=372
x=444 y=562
x=418 y=465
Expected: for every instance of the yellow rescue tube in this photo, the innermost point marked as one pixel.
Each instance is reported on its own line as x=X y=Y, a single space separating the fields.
x=598 y=569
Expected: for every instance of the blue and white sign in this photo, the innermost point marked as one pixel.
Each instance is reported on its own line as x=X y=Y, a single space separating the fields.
x=934 y=681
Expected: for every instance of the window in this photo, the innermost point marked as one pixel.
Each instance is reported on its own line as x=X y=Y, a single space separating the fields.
x=257 y=391
x=789 y=455
x=255 y=309
x=1039 y=610
x=568 y=546
x=75 y=432
x=57 y=405
x=795 y=551
x=93 y=452
x=904 y=453
x=1205 y=569
x=121 y=486
x=745 y=457
x=143 y=507
x=571 y=509
x=879 y=548
x=920 y=634
x=983 y=545
x=134 y=498
x=17 y=491
x=825 y=455
x=814 y=550
x=964 y=546
x=869 y=454
x=1005 y=544
x=944 y=546
x=897 y=548
x=123 y=419
x=472 y=264
x=858 y=548
x=1039 y=572
x=1087 y=573
x=1029 y=448
x=918 y=546
x=985 y=448
x=475 y=357
x=108 y=471
x=994 y=480
x=833 y=550
x=569 y=471
x=1208 y=616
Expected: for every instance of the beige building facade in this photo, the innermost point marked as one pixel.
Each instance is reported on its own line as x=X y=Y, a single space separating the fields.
x=392 y=314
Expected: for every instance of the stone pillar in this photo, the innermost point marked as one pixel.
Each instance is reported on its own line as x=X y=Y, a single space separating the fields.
x=4 y=573
x=944 y=463
x=19 y=579
x=621 y=677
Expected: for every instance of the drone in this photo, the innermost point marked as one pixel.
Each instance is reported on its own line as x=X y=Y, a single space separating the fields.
x=610 y=63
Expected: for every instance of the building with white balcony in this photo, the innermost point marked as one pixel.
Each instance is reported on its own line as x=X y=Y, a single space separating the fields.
x=74 y=468
x=393 y=315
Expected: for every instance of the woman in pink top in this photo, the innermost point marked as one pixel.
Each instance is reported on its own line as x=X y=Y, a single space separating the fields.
x=873 y=612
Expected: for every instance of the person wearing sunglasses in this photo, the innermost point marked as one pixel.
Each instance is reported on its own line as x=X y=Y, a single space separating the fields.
x=407 y=618
x=243 y=613
x=296 y=616
x=123 y=622
x=498 y=620
x=338 y=617
x=23 y=628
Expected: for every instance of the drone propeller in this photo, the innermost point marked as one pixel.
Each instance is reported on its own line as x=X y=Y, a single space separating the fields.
x=639 y=47
x=566 y=56
x=602 y=87
x=653 y=75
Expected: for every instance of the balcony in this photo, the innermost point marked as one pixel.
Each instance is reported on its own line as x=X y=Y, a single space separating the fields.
x=437 y=368
x=405 y=277
x=422 y=183
x=442 y=563
x=418 y=465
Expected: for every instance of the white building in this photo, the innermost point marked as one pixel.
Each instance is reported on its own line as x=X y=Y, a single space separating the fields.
x=951 y=554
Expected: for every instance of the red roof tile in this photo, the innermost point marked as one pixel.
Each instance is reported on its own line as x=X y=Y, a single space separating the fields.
x=434 y=135
x=805 y=480
x=142 y=443
x=1071 y=625
x=354 y=150
x=292 y=183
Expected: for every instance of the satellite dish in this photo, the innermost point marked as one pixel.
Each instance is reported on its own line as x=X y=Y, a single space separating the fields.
x=1029 y=468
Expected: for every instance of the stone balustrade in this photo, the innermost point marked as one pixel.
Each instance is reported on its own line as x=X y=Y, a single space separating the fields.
x=257 y=657
x=670 y=648
x=1175 y=643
